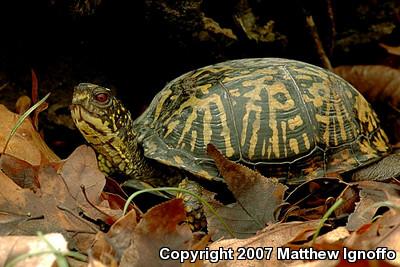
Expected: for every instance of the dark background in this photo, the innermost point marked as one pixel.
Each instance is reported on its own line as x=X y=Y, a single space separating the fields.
x=137 y=46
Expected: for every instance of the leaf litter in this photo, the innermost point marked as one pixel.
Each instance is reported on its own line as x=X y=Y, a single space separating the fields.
x=40 y=192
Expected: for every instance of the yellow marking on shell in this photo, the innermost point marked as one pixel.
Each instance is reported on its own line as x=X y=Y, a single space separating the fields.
x=188 y=125
x=178 y=160
x=365 y=114
x=323 y=119
x=295 y=122
x=340 y=118
x=316 y=99
x=193 y=140
x=306 y=141
x=367 y=150
x=204 y=174
x=255 y=95
x=284 y=136
x=163 y=96
x=265 y=73
x=204 y=104
x=235 y=92
x=380 y=141
x=294 y=145
x=263 y=148
x=204 y=88
x=274 y=139
x=207 y=133
x=254 y=133
x=210 y=70
x=306 y=70
x=274 y=108
x=225 y=132
x=304 y=77
x=170 y=127
x=258 y=85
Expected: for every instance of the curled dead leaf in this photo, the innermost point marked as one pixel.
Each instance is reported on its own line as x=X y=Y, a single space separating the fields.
x=256 y=196
x=27 y=143
x=160 y=227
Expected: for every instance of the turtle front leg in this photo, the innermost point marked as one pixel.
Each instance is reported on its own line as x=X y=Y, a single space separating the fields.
x=194 y=208
x=105 y=166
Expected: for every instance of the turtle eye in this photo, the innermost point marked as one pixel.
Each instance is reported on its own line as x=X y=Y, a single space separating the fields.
x=101 y=97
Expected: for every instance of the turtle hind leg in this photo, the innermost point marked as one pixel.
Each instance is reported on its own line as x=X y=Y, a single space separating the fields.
x=195 y=215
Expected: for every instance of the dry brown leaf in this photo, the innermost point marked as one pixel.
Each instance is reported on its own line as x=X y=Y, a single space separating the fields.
x=116 y=240
x=53 y=206
x=274 y=236
x=384 y=232
x=13 y=246
x=160 y=227
x=394 y=50
x=21 y=172
x=334 y=236
x=257 y=198
x=9 y=220
x=200 y=245
x=23 y=104
x=371 y=193
x=377 y=83
x=26 y=144
x=96 y=263
x=36 y=112
x=312 y=199
x=80 y=169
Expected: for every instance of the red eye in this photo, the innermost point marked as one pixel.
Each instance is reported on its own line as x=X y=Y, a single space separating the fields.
x=101 y=97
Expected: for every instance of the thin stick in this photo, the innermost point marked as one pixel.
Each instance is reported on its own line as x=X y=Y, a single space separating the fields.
x=318 y=44
x=331 y=17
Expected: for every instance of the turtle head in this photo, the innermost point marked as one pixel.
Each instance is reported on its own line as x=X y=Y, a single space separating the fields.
x=96 y=107
x=96 y=100
x=105 y=123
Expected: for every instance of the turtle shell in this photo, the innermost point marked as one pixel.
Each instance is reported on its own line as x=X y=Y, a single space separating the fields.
x=286 y=118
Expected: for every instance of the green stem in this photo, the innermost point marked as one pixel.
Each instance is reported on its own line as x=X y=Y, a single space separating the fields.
x=326 y=216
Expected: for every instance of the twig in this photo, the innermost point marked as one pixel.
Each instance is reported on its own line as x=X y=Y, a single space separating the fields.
x=3 y=86
x=77 y=217
x=318 y=44
x=332 y=22
x=83 y=188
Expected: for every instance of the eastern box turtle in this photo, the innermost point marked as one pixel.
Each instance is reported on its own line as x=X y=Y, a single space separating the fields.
x=286 y=118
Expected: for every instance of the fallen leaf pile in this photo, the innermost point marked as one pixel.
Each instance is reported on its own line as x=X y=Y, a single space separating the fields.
x=266 y=225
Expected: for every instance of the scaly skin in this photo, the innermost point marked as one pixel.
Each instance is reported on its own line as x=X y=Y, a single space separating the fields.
x=108 y=127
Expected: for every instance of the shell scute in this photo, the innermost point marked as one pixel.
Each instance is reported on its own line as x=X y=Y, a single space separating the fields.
x=287 y=118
